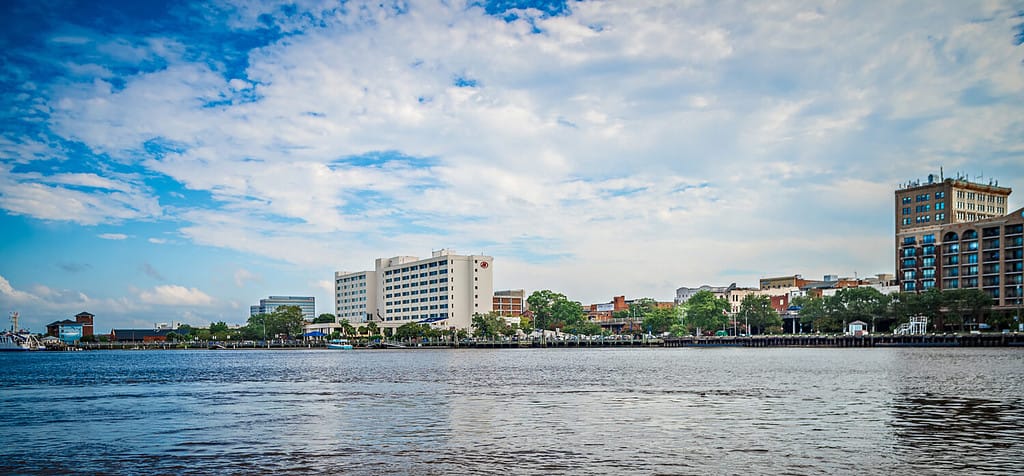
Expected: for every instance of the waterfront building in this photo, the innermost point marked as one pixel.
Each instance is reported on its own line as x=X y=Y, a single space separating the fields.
x=86 y=320
x=268 y=305
x=355 y=298
x=67 y=331
x=444 y=290
x=984 y=254
x=510 y=303
x=684 y=294
x=924 y=209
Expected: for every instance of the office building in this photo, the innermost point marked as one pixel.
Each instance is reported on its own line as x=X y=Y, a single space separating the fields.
x=268 y=305
x=956 y=235
x=355 y=298
x=509 y=303
x=444 y=290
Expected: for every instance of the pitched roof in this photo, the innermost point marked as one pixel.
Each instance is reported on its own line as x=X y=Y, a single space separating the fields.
x=64 y=322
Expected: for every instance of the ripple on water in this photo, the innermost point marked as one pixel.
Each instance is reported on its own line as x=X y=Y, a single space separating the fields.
x=579 y=411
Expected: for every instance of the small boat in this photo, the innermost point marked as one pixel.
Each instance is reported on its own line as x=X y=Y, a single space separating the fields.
x=339 y=344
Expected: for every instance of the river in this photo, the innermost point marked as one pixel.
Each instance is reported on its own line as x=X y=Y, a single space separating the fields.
x=511 y=411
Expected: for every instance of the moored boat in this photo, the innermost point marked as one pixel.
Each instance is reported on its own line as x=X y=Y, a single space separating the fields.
x=13 y=341
x=339 y=344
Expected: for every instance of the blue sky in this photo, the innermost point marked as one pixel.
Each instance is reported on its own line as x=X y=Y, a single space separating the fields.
x=178 y=161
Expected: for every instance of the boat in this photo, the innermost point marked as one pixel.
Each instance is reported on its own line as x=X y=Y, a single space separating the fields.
x=18 y=341
x=339 y=344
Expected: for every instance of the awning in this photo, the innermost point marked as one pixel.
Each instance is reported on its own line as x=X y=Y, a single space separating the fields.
x=314 y=334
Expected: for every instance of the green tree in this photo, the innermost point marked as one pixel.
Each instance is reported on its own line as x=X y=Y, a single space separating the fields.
x=361 y=330
x=325 y=318
x=657 y=320
x=705 y=311
x=553 y=310
x=185 y=329
x=813 y=312
x=218 y=328
x=287 y=320
x=411 y=330
x=173 y=336
x=488 y=325
x=372 y=328
x=347 y=328
x=757 y=312
x=860 y=303
x=641 y=308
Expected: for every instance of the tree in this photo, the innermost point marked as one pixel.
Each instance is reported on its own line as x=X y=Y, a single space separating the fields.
x=488 y=325
x=411 y=330
x=553 y=310
x=372 y=328
x=361 y=330
x=757 y=311
x=705 y=311
x=859 y=303
x=287 y=320
x=218 y=328
x=346 y=328
x=173 y=336
x=658 y=320
x=325 y=318
x=641 y=308
x=813 y=312
x=185 y=329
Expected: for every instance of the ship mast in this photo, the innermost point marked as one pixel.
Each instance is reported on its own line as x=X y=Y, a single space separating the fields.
x=14 y=322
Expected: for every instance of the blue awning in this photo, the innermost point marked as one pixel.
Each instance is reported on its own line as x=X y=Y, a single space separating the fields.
x=432 y=319
x=314 y=334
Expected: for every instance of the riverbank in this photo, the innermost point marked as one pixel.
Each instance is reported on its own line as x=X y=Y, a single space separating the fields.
x=826 y=341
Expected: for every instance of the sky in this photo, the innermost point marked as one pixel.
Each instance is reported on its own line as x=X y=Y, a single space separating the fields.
x=177 y=161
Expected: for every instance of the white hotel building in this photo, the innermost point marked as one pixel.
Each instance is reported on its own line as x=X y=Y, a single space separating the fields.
x=444 y=290
x=355 y=298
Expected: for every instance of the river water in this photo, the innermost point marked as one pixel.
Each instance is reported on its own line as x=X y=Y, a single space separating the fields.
x=530 y=411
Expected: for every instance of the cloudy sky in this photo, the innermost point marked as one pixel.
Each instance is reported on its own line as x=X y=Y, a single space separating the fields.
x=178 y=161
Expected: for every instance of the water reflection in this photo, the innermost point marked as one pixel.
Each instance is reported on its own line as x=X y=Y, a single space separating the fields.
x=579 y=411
x=964 y=433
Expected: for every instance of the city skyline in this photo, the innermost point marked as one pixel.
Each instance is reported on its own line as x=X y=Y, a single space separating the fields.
x=179 y=161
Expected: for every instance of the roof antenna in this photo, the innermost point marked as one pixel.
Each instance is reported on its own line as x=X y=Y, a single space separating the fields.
x=940 y=174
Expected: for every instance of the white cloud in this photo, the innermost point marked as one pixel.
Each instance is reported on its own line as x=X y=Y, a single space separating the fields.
x=113 y=236
x=659 y=143
x=244 y=276
x=175 y=295
x=158 y=241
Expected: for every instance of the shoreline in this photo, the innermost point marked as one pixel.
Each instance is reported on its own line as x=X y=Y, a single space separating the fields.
x=817 y=341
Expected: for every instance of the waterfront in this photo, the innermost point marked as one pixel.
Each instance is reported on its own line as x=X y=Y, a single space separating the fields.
x=542 y=411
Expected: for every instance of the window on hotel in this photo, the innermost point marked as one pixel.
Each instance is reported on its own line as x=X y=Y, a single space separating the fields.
x=939 y=195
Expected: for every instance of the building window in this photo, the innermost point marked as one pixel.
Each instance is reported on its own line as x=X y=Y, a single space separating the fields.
x=940 y=206
x=906 y=200
x=939 y=195
x=940 y=216
x=906 y=210
x=906 y=221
